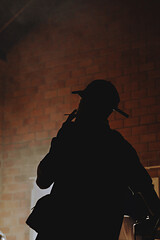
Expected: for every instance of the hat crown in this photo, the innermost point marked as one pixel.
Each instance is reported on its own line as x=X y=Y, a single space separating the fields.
x=103 y=90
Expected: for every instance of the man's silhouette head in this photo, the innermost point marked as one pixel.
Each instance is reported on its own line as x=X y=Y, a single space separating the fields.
x=98 y=100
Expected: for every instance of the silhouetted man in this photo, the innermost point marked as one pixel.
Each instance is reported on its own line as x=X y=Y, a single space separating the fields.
x=92 y=167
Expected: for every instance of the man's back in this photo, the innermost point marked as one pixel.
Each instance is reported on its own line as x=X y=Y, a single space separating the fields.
x=92 y=167
x=90 y=178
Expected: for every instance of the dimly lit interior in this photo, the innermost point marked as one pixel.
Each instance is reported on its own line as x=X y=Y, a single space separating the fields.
x=49 y=49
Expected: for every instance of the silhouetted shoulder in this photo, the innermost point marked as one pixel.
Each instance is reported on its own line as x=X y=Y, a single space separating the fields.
x=118 y=138
x=124 y=144
x=117 y=134
x=66 y=129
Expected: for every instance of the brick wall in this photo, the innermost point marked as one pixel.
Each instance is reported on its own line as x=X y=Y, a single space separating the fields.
x=86 y=40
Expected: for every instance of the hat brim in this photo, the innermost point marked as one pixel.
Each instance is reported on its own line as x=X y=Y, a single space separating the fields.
x=121 y=112
x=81 y=94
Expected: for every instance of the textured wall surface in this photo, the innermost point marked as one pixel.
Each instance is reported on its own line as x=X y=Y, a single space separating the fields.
x=83 y=40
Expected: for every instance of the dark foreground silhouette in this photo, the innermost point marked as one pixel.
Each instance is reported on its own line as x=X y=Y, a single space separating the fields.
x=95 y=173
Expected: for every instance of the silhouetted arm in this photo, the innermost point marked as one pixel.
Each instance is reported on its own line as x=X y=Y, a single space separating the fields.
x=45 y=174
x=49 y=165
x=141 y=182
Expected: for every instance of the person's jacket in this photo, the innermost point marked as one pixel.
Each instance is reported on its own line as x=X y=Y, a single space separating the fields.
x=92 y=167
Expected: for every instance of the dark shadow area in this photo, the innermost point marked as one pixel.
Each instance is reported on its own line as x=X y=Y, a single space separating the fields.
x=97 y=175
